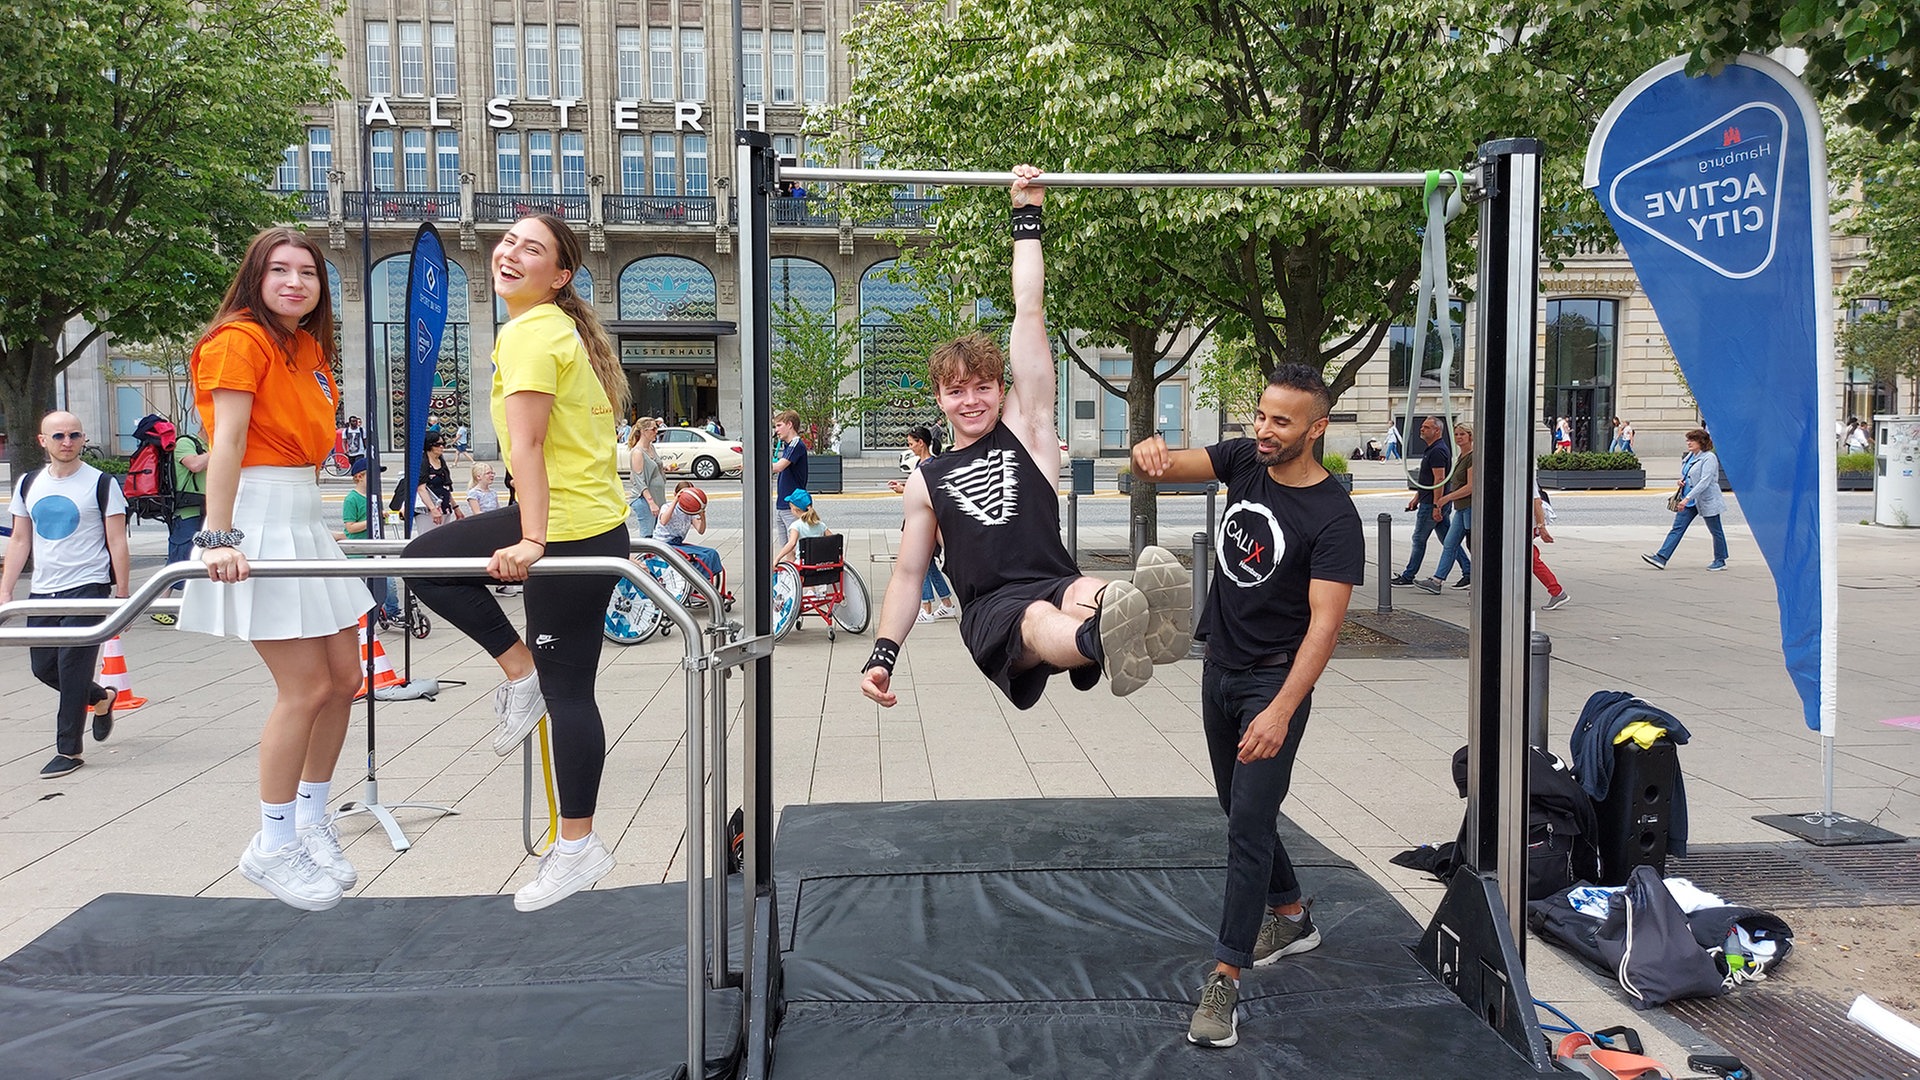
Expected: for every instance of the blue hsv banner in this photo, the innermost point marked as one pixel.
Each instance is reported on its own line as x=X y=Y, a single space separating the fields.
x=426 y=322
x=1717 y=187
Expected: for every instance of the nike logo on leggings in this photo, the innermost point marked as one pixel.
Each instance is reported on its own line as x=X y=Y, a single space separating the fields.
x=544 y=640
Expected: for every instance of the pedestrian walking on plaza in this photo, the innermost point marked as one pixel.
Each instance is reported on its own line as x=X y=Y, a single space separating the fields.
x=1698 y=496
x=556 y=380
x=1626 y=436
x=1457 y=501
x=649 y=480
x=790 y=470
x=262 y=376
x=934 y=587
x=1291 y=553
x=189 y=499
x=71 y=519
x=1428 y=515
x=1543 y=517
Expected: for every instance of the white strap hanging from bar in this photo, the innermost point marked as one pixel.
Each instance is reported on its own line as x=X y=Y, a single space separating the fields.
x=1444 y=203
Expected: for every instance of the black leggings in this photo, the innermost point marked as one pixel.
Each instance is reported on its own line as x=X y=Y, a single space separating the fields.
x=565 y=616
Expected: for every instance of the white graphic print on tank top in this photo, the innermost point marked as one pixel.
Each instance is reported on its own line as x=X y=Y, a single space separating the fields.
x=987 y=490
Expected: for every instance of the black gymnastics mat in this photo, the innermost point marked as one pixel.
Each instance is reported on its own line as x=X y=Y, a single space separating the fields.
x=1069 y=937
x=461 y=987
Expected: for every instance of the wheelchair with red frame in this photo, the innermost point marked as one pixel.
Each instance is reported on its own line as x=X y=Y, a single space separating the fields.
x=819 y=582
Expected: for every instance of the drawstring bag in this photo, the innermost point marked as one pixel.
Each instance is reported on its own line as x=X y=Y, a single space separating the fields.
x=1649 y=945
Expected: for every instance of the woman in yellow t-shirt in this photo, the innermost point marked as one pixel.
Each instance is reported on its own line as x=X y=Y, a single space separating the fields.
x=557 y=386
x=262 y=376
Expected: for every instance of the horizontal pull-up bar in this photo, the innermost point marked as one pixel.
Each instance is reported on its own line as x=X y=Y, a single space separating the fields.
x=798 y=173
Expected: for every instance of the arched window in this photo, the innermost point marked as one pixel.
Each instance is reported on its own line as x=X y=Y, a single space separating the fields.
x=889 y=365
x=1582 y=352
x=582 y=284
x=339 y=346
x=804 y=284
x=450 y=399
x=667 y=288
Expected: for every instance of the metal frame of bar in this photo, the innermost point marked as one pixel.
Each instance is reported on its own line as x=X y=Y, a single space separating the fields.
x=117 y=614
x=806 y=174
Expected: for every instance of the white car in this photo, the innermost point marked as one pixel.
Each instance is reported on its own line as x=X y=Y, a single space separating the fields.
x=686 y=451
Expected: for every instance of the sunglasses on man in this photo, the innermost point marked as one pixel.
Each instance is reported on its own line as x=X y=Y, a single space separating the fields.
x=67 y=436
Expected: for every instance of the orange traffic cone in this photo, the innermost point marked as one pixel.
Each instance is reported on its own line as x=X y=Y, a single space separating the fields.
x=383 y=673
x=113 y=676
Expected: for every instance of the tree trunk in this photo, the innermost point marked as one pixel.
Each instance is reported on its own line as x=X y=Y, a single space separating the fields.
x=1142 y=391
x=26 y=395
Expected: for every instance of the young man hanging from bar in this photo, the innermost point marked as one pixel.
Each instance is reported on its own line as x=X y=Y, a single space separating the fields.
x=1026 y=610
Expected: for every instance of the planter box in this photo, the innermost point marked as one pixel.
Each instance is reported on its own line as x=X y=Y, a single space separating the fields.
x=1593 y=480
x=1194 y=488
x=1345 y=480
x=1856 y=481
x=824 y=474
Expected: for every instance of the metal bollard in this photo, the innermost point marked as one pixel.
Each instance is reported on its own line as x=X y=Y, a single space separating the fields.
x=1213 y=489
x=1073 y=526
x=1384 y=606
x=1539 y=664
x=1202 y=571
x=1140 y=540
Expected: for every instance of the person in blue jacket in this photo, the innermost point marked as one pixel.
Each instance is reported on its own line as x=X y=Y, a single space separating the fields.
x=1699 y=497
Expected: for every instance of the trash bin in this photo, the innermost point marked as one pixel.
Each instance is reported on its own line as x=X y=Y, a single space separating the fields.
x=1082 y=475
x=1896 y=472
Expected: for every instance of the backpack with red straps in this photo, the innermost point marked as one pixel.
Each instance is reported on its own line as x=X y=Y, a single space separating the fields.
x=149 y=483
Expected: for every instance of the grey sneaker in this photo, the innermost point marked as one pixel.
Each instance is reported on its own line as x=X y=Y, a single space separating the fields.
x=519 y=707
x=1168 y=587
x=1558 y=599
x=560 y=876
x=1654 y=561
x=1281 y=936
x=1217 y=1021
x=291 y=875
x=1124 y=617
x=323 y=847
x=1431 y=585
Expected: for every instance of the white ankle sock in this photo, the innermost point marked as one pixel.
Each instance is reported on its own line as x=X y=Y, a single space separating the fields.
x=310 y=806
x=276 y=825
x=1296 y=916
x=571 y=847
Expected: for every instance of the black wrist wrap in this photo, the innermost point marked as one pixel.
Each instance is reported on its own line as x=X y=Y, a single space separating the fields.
x=886 y=653
x=1026 y=223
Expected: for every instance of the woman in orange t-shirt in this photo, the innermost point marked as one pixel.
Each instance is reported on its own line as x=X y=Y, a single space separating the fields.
x=262 y=377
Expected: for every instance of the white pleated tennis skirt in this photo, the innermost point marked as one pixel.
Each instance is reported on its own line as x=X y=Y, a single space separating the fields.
x=279 y=510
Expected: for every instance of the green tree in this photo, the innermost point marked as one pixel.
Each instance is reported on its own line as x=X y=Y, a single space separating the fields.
x=812 y=360
x=1862 y=53
x=136 y=140
x=1884 y=208
x=1302 y=275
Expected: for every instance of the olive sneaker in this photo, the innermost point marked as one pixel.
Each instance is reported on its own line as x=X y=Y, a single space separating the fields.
x=1168 y=587
x=1281 y=936
x=1217 y=1021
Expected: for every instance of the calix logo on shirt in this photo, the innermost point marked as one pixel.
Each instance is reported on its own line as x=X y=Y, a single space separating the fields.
x=1249 y=544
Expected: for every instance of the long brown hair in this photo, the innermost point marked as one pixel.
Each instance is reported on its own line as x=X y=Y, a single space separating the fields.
x=606 y=363
x=245 y=298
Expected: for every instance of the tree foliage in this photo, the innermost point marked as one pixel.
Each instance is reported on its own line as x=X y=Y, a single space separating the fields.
x=137 y=138
x=1863 y=53
x=1884 y=207
x=812 y=358
x=1306 y=275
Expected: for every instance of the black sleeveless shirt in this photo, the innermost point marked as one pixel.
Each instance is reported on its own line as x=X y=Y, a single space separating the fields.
x=999 y=516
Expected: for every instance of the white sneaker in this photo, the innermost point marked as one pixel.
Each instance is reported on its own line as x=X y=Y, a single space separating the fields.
x=560 y=876
x=291 y=875
x=507 y=590
x=946 y=611
x=323 y=847
x=519 y=706
x=926 y=617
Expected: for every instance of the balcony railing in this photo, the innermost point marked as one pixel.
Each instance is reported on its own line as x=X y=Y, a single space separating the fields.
x=404 y=205
x=803 y=210
x=907 y=213
x=657 y=209
x=313 y=204
x=508 y=207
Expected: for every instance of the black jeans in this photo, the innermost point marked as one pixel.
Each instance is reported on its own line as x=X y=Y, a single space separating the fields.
x=1259 y=873
x=565 y=616
x=70 y=670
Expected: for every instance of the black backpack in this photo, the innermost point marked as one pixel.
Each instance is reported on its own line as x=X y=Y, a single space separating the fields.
x=1561 y=828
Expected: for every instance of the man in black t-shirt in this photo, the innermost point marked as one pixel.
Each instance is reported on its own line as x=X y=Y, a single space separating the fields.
x=1026 y=611
x=1288 y=554
x=1428 y=518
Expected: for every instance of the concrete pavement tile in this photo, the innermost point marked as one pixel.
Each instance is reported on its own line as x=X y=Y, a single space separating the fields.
x=1070 y=780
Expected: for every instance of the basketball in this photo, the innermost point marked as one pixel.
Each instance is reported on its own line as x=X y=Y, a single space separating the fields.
x=692 y=500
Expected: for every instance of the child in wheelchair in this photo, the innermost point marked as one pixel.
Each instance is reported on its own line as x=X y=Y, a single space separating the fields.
x=806 y=523
x=684 y=514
